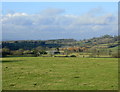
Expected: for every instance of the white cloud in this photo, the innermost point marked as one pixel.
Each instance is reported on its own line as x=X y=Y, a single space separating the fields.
x=52 y=11
x=16 y=14
x=52 y=23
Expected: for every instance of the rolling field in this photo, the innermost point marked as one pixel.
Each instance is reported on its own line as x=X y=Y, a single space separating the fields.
x=59 y=73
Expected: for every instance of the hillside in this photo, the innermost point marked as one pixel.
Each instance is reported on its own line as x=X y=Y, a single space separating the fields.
x=104 y=45
x=104 y=41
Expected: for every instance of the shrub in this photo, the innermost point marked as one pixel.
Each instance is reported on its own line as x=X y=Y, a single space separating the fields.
x=116 y=55
x=73 y=56
x=5 y=52
x=92 y=56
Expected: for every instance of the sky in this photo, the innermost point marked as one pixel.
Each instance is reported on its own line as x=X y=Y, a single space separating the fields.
x=58 y=20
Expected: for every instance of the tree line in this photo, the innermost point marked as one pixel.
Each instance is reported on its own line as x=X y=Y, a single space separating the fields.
x=96 y=46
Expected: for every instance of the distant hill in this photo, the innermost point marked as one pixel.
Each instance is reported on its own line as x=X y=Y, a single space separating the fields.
x=104 y=41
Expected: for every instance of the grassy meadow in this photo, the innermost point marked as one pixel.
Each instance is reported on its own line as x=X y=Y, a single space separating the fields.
x=59 y=73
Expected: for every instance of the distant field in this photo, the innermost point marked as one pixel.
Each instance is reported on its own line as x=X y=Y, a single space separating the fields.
x=59 y=73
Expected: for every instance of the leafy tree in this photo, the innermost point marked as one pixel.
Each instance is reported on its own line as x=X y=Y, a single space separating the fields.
x=110 y=52
x=5 y=52
x=116 y=55
x=18 y=52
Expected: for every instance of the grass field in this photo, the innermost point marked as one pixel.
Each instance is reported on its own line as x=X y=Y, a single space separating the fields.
x=59 y=73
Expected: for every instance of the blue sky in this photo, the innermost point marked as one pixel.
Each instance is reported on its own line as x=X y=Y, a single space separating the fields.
x=58 y=20
x=70 y=7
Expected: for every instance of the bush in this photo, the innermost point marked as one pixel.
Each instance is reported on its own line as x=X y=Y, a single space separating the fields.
x=5 y=52
x=17 y=52
x=92 y=56
x=28 y=55
x=73 y=56
x=116 y=55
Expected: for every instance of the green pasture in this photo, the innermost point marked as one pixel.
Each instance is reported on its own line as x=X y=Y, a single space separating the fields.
x=59 y=73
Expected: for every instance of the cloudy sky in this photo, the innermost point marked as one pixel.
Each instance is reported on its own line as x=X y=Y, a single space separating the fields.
x=58 y=20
